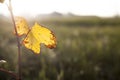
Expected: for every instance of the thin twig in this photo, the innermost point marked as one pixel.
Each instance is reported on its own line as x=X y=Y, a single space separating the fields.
x=18 y=41
x=10 y=73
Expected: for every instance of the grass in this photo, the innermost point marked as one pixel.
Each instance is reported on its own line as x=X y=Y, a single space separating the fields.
x=86 y=52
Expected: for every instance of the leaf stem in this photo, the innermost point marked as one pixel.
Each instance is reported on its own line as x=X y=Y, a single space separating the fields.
x=18 y=41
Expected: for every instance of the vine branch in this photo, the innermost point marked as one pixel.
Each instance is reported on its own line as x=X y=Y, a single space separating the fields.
x=10 y=73
x=18 y=40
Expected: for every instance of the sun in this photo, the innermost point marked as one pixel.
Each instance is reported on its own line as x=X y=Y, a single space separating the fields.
x=21 y=7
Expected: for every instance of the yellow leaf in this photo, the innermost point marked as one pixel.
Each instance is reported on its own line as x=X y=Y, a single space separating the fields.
x=31 y=43
x=38 y=35
x=21 y=26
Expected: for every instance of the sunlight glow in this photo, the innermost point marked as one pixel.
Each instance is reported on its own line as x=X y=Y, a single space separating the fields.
x=80 y=7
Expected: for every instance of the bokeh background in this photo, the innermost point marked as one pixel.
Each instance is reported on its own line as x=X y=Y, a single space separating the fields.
x=88 y=48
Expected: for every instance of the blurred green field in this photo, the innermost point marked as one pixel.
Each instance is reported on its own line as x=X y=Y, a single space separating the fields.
x=88 y=48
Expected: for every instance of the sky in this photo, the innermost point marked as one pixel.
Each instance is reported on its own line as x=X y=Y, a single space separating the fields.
x=80 y=7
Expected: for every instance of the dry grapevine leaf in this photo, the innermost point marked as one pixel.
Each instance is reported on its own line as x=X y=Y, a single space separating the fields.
x=38 y=35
